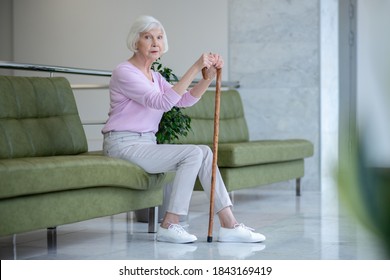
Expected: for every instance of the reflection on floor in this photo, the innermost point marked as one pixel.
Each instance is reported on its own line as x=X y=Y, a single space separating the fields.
x=313 y=226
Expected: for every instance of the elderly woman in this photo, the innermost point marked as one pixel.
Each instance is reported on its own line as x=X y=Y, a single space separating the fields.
x=138 y=99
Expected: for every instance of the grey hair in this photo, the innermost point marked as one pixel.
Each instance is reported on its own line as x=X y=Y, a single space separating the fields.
x=144 y=24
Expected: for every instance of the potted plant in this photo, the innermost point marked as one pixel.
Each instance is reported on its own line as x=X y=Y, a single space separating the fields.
x=173 y=123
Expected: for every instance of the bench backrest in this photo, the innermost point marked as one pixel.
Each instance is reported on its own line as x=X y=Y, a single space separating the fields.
x=232 y=124
x=39 y=117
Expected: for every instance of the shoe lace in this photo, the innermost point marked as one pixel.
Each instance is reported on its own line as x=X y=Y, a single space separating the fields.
x=178 y=228
x=244 y=227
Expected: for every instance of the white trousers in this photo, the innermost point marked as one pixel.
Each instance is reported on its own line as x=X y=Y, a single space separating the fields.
x=188 y=161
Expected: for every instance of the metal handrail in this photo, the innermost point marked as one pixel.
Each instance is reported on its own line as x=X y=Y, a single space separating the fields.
x=82 y=71
x=53 y=69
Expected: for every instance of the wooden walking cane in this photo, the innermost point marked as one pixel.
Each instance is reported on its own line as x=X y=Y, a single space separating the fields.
x=215 y=149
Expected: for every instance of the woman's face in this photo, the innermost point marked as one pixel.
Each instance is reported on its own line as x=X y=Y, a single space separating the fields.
x=151 y=44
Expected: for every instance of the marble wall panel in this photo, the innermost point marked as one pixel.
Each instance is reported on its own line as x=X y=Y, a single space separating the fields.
x=274 y=51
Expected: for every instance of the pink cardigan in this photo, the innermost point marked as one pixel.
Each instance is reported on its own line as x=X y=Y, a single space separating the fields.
x=137 y=104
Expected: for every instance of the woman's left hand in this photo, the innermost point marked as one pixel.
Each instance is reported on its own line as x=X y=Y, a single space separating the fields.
x=217 y=60
x=217 y=63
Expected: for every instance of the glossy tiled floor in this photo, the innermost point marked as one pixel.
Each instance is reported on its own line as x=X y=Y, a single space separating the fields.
x=313 y=226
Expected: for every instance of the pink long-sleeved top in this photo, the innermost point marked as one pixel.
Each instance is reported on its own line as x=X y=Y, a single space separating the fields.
x=137 y=104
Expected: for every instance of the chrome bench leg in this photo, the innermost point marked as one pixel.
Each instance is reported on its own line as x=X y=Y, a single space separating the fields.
x=231 y=195
x=52 y=240
x=298 y=187
x=153 y=219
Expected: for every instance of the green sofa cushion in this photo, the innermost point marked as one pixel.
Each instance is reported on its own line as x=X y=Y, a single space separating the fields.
x=34 y=175
x=237 y=178
x=53 y=209
x=262 y=151
x=39 y=117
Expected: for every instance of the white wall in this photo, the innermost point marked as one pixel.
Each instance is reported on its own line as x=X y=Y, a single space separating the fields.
x=6 y=47
x=373 y=79
x=329 y=89
x=92 y=34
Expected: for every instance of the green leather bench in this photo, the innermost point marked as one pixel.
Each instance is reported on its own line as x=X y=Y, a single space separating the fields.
x=47 y=176
x=244 y=163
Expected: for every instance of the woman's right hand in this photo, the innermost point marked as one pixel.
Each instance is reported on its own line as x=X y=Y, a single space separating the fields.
x=206 y=60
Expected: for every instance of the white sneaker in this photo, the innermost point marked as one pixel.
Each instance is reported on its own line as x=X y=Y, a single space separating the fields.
x=240 y=234
x=174 y=234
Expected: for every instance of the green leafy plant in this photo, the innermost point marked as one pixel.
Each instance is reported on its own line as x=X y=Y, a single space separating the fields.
x=173 y=123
